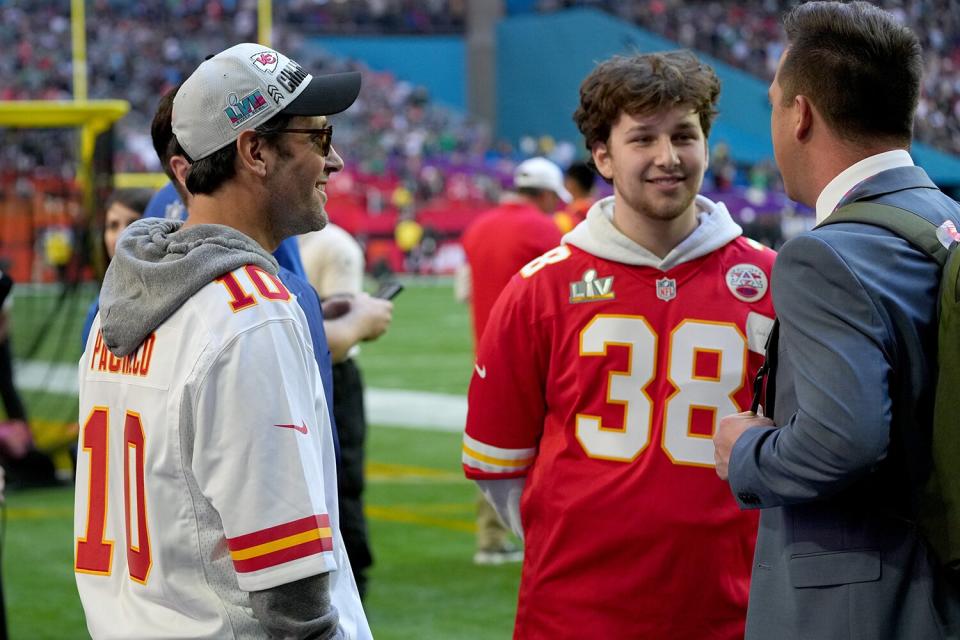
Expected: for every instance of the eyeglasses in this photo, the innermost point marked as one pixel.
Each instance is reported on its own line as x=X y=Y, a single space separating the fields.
x=321 y=138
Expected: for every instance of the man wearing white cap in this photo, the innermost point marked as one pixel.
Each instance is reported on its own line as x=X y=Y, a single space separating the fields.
x=206 y=503
x=497 y=244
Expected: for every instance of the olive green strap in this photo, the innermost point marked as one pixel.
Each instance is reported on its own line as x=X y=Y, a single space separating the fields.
x=910 y=226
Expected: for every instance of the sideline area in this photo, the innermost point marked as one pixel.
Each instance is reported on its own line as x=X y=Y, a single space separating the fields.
x=387 y=407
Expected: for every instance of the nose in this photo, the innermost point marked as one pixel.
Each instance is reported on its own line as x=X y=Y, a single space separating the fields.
x=333 y=162
x=666 y=155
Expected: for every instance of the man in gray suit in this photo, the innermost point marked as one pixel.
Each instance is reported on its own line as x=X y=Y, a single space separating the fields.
x=839 y=470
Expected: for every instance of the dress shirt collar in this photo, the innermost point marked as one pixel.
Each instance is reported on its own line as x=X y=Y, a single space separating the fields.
x=853 y=175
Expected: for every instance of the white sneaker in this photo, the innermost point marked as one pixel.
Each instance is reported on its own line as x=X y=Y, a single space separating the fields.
x=502 y=555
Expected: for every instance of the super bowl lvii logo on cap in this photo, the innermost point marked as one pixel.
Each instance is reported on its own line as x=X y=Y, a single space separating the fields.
x=239 y=110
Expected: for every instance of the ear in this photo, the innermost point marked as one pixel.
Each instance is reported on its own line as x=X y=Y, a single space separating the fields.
x=253 y=153
x=179 y=167
x=601 y=158
x=805 y=115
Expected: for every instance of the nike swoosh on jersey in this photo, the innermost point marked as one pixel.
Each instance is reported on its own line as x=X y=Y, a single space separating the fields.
x=481 y=371
x=302 y=428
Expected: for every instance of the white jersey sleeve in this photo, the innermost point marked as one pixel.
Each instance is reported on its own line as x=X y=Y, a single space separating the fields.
x=259 y=459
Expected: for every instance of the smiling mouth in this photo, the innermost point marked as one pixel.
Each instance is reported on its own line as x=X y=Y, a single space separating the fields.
x=667 y=181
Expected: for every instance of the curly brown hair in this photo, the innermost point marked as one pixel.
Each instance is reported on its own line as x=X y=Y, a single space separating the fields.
x=644 y=83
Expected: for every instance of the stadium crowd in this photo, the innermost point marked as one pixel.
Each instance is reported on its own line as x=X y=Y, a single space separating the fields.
x=748 y=36
x=178 y=34
x=408 y=153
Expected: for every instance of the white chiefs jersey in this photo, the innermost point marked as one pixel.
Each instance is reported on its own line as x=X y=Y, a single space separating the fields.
x=206 y=470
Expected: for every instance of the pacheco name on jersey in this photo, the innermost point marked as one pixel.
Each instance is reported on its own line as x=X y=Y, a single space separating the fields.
x=136 y=363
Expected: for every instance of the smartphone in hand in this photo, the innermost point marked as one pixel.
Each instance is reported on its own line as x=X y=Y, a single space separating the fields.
x=389 y=291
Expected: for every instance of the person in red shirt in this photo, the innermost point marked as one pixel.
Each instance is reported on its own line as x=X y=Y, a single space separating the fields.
x=579 y=180
x=497 y=244
x=603 y=369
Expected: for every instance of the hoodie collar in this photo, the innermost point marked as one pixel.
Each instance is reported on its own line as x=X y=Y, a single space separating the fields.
x=598 y=235
x=158 y=266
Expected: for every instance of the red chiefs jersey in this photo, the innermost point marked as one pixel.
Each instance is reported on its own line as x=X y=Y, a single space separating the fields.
x=602 y=383
x=500 y=242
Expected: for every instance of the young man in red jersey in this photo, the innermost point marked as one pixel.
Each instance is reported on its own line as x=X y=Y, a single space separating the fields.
x=602 y=372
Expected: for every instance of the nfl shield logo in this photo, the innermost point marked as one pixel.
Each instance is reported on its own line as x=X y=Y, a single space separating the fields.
x=666 y=289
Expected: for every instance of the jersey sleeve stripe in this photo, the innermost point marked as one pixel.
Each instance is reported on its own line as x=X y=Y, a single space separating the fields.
x=275 y=558
x=283 y=543
x=279 y=532
x=489 y=463
x=497 y=453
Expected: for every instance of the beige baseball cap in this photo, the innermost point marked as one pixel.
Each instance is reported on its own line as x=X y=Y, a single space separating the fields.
x=243 y=87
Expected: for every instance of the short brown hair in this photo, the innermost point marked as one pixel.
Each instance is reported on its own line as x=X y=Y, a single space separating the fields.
x=161 y=132
x=208 y=174
x=857 y=65
x=645 y=83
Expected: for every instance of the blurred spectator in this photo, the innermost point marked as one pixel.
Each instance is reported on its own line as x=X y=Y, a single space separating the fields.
x=580 y=180
x=123 y=207
x=497 y=245
x=21 y=464
x=334 y=265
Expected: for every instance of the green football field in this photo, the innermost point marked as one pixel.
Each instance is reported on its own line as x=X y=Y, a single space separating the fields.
x=420 y=508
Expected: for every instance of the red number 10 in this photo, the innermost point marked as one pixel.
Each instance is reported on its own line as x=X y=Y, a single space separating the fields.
x=95 y=553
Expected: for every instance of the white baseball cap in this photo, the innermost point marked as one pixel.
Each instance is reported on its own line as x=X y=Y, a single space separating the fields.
x=243 y=87
x=540 y=173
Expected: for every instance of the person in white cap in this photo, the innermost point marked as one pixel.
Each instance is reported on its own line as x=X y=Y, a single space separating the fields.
x=604 y=368
x=496 y=245
x=206 y=502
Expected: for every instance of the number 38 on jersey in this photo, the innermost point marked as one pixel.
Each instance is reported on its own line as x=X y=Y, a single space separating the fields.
x=723 y=343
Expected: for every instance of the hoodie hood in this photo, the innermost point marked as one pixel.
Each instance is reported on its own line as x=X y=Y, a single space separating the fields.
x=157 y=267
x=598 y=235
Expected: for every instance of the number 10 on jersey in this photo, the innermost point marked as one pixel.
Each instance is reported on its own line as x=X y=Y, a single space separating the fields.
x=94 y=553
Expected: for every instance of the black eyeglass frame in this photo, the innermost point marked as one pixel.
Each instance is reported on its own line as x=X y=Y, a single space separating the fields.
x=324 y=143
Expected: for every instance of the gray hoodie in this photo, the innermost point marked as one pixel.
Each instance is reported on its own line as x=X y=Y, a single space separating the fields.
x=157 y=267
x=597 y=235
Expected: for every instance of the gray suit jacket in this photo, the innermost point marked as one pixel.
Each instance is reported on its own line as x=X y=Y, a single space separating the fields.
x=837 y=554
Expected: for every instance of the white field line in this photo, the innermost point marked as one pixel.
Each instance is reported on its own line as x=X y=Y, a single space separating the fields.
x=385 y=407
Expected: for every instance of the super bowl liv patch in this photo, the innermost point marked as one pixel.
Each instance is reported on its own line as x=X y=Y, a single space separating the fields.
x=592 y=288
x=747 y=282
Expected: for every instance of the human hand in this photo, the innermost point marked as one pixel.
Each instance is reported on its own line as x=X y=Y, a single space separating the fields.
x=336 y=306
x=372 y=315
x=728 y=432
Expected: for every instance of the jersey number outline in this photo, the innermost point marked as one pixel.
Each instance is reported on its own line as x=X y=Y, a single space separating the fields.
x=628 y=388
x=266 y=284
x=94 y=553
